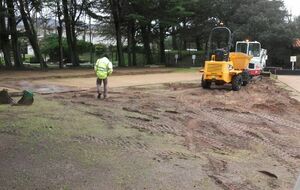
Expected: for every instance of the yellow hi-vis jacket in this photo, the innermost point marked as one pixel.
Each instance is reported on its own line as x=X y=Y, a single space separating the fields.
x=103 y=68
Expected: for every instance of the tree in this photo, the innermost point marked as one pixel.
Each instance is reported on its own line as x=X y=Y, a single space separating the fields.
x=201 y=22
x=14 y=33
x=116 y=10
x=4 y=39
x=169 y=14
x=59 y=14
x=296 y=27
x=267 y=22
x=144 y=12
x=26 y=9
x=72 y=11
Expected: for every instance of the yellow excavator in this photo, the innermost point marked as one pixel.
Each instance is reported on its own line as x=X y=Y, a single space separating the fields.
x=222 y=66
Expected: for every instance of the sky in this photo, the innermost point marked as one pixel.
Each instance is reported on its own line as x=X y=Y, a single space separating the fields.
x=294 y=6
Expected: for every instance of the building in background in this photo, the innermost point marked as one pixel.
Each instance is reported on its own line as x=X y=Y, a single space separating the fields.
x=296 y=51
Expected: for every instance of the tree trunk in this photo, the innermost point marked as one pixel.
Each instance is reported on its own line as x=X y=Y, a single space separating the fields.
x=60 y=46
x=117 y=21
x=184 y=45
x=92 y=45
x=14 y=34
x=162 y=44
x=129 y=45
x=4 y=41
x=174 y=39
x=5 y=46
x=133 y=40
x=198 y=44
x=70 y=35
x=74 y=44
x=183 y=37
x=146 y=41
x=60 y=32
x=31 y=34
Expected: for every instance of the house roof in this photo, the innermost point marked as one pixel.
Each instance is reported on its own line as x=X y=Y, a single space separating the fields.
x=296 y=43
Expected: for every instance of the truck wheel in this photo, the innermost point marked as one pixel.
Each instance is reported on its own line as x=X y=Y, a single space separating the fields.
x=246 y=78
x=245 y=83
x=205 y=84
x=237 y=82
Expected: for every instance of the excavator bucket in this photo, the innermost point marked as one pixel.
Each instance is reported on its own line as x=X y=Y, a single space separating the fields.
x=27 y=99
x=5 y=98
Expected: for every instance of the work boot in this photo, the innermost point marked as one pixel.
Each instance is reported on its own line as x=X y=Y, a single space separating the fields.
x=99 y=96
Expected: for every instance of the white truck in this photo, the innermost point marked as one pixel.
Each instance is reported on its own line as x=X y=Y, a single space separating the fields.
x=260 y=57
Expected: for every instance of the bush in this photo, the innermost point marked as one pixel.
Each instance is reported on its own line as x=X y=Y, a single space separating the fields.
x=84 y=47
x=31 y=59
x=49 y=46
x=1 y=62
x=100 y=49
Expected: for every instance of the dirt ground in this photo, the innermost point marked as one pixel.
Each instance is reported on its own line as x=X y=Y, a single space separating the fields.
x=155 y=136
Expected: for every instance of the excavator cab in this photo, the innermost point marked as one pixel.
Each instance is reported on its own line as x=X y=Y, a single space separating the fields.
x=221 y=65
x=259 y=59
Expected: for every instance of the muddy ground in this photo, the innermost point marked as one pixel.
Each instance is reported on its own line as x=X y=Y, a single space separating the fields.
x=164 y=136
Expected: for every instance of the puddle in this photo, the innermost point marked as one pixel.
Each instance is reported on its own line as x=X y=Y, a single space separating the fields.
x=44 y=88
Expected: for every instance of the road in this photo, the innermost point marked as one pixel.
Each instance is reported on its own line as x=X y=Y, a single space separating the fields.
x=292 y=81
x=293 y=84
x=84 y=80
x=125 y=80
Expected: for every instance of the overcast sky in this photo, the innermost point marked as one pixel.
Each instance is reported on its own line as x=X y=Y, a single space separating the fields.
x=294 y=6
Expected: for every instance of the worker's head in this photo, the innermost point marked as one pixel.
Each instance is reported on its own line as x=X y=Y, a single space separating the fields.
x=105 y=55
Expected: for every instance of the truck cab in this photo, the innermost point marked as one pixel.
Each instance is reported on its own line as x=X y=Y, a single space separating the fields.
x=259 y=55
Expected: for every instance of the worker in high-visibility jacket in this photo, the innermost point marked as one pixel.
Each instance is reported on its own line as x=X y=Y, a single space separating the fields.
x=103 y=69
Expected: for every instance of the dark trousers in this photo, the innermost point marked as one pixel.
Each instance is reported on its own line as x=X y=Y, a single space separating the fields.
x=99 y=83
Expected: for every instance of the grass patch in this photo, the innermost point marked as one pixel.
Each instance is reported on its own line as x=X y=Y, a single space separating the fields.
x=55 y=131
x=187 y=70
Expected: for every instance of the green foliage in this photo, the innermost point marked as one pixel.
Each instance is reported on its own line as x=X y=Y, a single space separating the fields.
x=50 y=46
x=190 y=21
x=296 y=27
x=1 y=62
x=84 y=47
x=266 y=22
x=100 y=49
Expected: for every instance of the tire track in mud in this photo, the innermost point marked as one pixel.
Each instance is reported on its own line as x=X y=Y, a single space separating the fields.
x=279 y=121
x=132 y=144
x=152 y=122
x=191 y=135
x=243 y=130
x=126 y=143
x=261 y=136
x=153 y=127
x=141 y=121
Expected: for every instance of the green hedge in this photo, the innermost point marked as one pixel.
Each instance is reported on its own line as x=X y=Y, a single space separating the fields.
x=49 y=46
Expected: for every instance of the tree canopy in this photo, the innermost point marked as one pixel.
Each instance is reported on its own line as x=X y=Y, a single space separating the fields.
x=146 y=24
